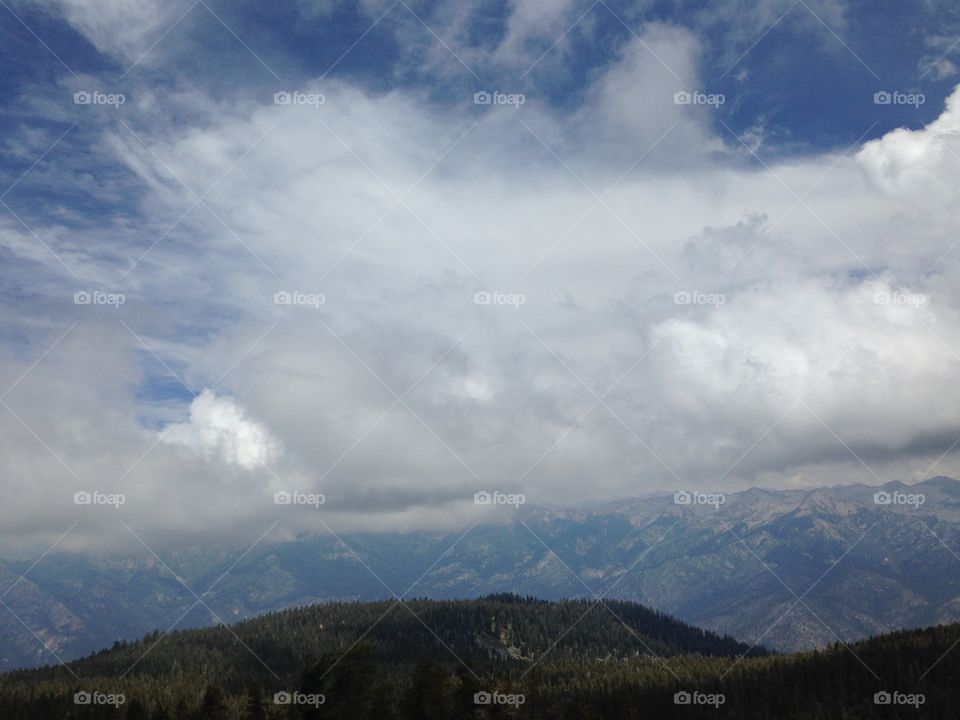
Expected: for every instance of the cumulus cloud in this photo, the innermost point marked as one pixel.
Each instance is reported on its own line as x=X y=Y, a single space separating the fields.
x=218 y=426
x=916 y=161
x=791 y=364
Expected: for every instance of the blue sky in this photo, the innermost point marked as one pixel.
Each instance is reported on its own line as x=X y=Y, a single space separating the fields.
x=807 y=71
x=550 y=296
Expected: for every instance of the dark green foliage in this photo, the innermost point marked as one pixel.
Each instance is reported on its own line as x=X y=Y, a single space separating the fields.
x=213 y=706
x=428 y=660
x=346 y=683
x=256 y=709
x=135 y=710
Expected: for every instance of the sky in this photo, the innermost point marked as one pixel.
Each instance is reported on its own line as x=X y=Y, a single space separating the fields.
x=398 y=253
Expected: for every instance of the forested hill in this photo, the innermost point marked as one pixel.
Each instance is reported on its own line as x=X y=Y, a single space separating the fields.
x=501 y=656
x=499 y=628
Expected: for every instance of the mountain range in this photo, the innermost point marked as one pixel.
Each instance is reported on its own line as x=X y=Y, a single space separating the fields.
x=790 y=570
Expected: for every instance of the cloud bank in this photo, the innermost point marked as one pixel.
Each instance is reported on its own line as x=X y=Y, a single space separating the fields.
x=397 y=301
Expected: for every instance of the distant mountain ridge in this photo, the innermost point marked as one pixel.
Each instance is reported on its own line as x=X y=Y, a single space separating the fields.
x=790 y=569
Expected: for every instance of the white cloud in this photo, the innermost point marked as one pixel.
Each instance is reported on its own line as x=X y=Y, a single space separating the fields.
x=399 y=397
x=218 y=426
x=944 y=69
x=917 y=161
x=532 y=23
x=126 y=29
